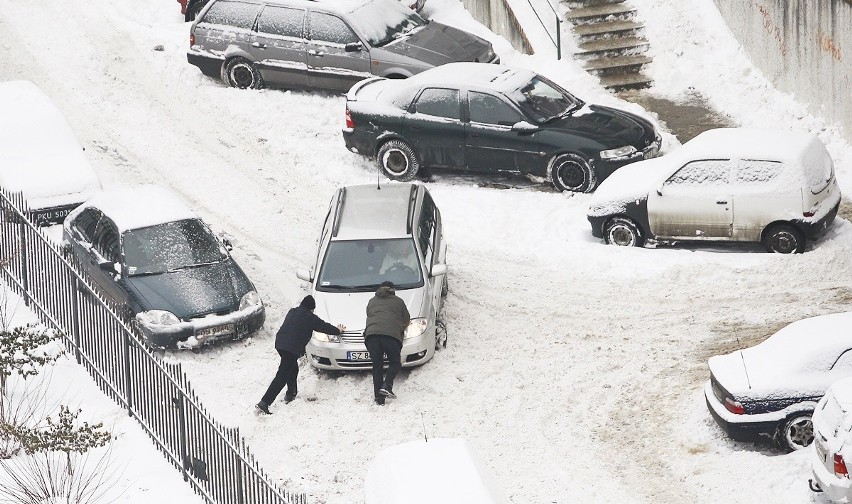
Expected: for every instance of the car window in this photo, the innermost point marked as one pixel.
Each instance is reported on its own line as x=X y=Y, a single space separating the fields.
x=106 y=240
x=543 y=101
x=169 y=247
x=844 y=362
x=282 y=21
x=361 y=265
x=237 y=14
x=751 y=171
x=488 y=109
x=85 y=224
x=383 y=21
x=706 y=172
x=426 y=229
x=439 y=102
x=328 y=28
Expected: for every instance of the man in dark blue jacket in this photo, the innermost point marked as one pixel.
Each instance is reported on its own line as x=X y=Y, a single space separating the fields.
x=290 y=342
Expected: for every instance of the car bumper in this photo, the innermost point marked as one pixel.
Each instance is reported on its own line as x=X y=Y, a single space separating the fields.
x=597 y=223
x=815 y=228
x=739 y=427
x=209 y=65
x=837 y=489
x=360 y=142
x=326 y=355
x=605 y=167
x=203 y=331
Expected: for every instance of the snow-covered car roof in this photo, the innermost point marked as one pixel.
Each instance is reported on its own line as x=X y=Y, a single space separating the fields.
x=484 y=75
x=40 y=155
x=446 y=471
x=139 y=207
x=370 y=212
x=808 y=345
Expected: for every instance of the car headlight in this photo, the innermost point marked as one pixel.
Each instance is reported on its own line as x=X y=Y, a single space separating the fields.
x=618 y=153
x=326 y=338
x=157 y=317
x=416 y=328
x=249 y=299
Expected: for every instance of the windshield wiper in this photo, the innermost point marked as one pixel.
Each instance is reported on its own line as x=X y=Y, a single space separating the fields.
x=190 y=266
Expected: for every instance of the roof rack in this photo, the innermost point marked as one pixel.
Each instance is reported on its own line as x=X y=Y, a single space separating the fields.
x=338 y=209
x=412 y=198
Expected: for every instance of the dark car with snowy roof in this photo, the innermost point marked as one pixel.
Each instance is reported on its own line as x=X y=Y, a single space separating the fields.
x=322 y=44
x=770 y=390
x=159 y=263
x=492 y=118
x=731 y=184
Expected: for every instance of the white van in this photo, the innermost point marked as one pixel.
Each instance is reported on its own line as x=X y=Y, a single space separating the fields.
x=39 y=154
x=445 y=471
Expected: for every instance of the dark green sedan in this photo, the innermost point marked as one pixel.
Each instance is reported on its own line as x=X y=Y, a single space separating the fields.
x=481 y=117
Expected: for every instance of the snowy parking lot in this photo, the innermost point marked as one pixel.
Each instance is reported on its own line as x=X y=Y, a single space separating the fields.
x=575 y=368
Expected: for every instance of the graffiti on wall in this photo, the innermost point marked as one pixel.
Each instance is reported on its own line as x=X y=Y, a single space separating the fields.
x=829 y=46
x=772 y=27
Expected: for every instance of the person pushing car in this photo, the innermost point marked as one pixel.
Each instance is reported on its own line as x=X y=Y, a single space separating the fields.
x=290 y=342
x=387 y=319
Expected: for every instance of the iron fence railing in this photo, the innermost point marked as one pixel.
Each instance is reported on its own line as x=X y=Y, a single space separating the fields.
x=213 y=459
x=555 y=37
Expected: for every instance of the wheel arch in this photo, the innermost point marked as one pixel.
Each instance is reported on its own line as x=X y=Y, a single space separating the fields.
x=387 y=136
x=781 y=222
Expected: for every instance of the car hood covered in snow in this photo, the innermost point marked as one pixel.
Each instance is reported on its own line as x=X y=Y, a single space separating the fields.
x=350 y=308
x=436 y=44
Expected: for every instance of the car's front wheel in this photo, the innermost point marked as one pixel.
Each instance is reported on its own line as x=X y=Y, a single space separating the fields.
x=624 y=232
x=570 y=172
x=784 y=239
x=797 y=432
x=398 y=161
x=241 y=73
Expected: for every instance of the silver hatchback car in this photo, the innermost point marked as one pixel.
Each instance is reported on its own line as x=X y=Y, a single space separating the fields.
x=372 y=235
x=322 y=44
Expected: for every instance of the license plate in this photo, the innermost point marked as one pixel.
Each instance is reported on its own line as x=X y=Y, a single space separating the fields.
x=55 y=215
x=212 y=332
x=358 y=356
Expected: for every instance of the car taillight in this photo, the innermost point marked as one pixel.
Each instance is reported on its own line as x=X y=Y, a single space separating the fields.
x=808 y=214
x=840 y=466
x=734 y=406
x=349 y=122
x=191 y=39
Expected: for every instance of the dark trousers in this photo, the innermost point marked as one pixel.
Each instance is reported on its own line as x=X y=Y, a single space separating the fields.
x=288 y=372
x=380 y=345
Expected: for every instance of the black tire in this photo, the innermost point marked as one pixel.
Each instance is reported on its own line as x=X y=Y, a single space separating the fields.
x=193 y=9
x=398 y=161
x=570 y=172
x=241 y=73
x=624 y=232
x=784 y=239
x=445 y=288
x=797 y=432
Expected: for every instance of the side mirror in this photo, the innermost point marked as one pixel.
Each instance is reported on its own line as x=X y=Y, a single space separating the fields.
x=438 y=270
x=524 y=127
x=303 y=274
x=353 y=47
x=227 y=244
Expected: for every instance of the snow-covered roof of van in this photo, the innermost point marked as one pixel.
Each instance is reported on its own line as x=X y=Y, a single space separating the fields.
x=484 y=75
x=140 y=206
x=370 y=212
x=747 y=143
x=40 y=155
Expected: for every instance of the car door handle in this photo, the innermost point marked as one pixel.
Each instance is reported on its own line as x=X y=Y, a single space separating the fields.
x=721 y=202
x=316 y=53
x=259 y=45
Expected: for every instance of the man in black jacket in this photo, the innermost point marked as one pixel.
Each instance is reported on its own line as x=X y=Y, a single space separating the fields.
x=290 y=342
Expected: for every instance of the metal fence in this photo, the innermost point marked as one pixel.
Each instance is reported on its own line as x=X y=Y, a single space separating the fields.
x=214 y=459
x=556 y=36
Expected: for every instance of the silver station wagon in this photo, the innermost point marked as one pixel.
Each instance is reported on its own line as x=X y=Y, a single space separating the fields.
x=372 y=235
x=323 y=44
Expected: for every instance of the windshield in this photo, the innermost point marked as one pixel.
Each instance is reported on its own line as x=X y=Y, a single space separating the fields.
x=364 y=264
x=169 y=247
x=543 y=101
x=383 y=21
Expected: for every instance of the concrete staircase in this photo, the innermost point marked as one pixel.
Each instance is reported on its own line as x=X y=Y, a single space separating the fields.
x=612 y=45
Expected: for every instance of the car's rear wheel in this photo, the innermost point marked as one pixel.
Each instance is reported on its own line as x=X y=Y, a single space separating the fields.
x=398 y=161
x=570 y=172
x=241 y=73
x=624 y=232
x=797 y=432
x=784 y=239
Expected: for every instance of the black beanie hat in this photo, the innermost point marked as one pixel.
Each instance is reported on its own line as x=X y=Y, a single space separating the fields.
x=308 y=303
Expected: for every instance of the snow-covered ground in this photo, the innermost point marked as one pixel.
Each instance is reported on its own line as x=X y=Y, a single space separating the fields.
x=576 y=369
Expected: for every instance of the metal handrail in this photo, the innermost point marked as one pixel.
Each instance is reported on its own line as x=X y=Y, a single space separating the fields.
x=558 y=40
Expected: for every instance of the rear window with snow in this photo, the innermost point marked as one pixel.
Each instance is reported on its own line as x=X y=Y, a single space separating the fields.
x=236 y=14
x=383 y=21
x=439 y=102
x=752 y=171
x=819 y=168
x=282 y=21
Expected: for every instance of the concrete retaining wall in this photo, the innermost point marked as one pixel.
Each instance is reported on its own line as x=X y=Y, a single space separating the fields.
x=803 y=47
x=498 y=16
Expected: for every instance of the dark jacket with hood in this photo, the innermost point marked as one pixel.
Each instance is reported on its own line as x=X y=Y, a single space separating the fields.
x=386 y=314
x=299 y=324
